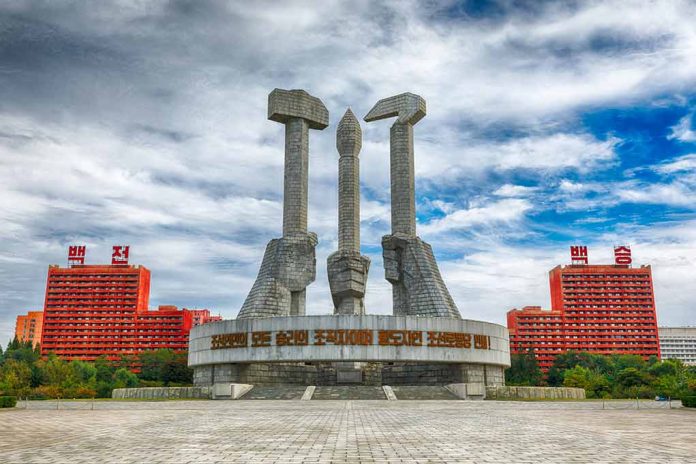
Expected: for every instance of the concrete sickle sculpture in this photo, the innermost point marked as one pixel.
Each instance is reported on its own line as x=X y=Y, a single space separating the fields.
x=347 y=268
x=409 y=263
x=289 y=263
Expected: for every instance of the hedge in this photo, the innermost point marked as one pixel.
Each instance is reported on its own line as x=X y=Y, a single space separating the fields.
x=689 y=401
x=8 y=401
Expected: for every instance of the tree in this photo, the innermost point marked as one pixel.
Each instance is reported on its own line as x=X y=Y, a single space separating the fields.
x=632 y=377
x=561 y=363
x=123 y=378
x=104 y=376
x=176 y=370
x=22 y=351
x=524 y=370
x=83 y=374
x=577 y=377
x=56 y=373
x=166 y=366
x=15 y=378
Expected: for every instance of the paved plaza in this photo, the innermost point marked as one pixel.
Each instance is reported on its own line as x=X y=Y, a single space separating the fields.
x=346 y=432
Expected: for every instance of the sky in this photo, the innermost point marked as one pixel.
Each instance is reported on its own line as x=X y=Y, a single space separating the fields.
x=549 y=124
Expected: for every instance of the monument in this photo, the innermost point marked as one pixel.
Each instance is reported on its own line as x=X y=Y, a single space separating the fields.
x=347 y=268
x=424 y=342
x=409 y=263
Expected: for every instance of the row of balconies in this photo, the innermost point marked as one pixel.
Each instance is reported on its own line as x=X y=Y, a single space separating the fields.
x=97 y=302
x=93 y=278
x=610 y=307
x=606 y=276
x=607 y=285
x=84 y=306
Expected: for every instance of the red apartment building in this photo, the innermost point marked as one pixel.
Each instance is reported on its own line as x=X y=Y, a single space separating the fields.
x=94 y=310
x=202 y=316
x=601 y=309
x=29 y=326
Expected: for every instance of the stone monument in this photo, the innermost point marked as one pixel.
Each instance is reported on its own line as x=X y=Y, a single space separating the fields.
x=272 y=342
x=347 y=268
x=409 y=263
x=289 y=263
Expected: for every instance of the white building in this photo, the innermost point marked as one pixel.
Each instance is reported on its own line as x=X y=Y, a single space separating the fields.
x=678 y=343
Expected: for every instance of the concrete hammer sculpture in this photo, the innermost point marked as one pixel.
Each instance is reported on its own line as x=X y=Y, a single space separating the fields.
x=289 y=263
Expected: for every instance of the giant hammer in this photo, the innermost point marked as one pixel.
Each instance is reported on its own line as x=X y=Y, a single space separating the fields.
x=289 y=263
x=409 y=263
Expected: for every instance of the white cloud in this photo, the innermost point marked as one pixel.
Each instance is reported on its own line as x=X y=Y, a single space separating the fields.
x=686 y=163
x=675 y=194
x=509 y=190
x=496 y=213
x=682 y=131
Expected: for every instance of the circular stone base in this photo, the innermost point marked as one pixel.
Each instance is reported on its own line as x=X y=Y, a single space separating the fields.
x=347 y=349
x=331 y=374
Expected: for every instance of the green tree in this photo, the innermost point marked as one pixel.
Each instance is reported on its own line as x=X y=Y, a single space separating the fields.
x=56 y=373
x=165 y=366
x=83 y=374
x=177 y=371
x=524 y=370
x=22 y=351
x=561 y=363
x=594 y=383
x=104 y=376
x=15 y=378
x=577 y=377
x=632 y=377
x=123 y=378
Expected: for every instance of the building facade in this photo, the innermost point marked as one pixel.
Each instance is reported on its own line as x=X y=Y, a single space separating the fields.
x=202 y=316
x=678 y=343
x=95 y=310
x=602 y=309
x=29 y=327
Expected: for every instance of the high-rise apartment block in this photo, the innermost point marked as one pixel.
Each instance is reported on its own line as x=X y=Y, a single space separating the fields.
x=601 y=309
x=94 y=310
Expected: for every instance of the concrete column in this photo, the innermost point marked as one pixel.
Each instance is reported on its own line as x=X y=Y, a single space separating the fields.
x=296 y=176
x=349 y=203
x=403 y=184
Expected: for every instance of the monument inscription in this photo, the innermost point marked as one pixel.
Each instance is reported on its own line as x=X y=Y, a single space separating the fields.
x=321 y=337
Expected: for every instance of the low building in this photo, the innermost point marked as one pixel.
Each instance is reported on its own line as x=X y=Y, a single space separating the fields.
x=29 y=327
x=678 y=343
x=202 y=316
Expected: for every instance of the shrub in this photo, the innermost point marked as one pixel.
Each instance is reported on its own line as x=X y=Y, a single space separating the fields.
x=8 y=401
x=85 y=392
x=689 y=401
x=44 y=392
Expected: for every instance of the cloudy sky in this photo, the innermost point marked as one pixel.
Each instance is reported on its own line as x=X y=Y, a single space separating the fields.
x=549 y=124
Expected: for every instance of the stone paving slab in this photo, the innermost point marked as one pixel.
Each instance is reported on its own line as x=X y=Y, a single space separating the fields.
x=344 y=432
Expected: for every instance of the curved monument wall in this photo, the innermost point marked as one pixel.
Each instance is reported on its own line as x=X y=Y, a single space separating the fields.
x=349 y=338
x=397 y=350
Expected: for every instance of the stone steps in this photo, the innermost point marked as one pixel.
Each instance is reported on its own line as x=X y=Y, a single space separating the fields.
x=290 y=392
x=349 y=393
x=423 y=393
